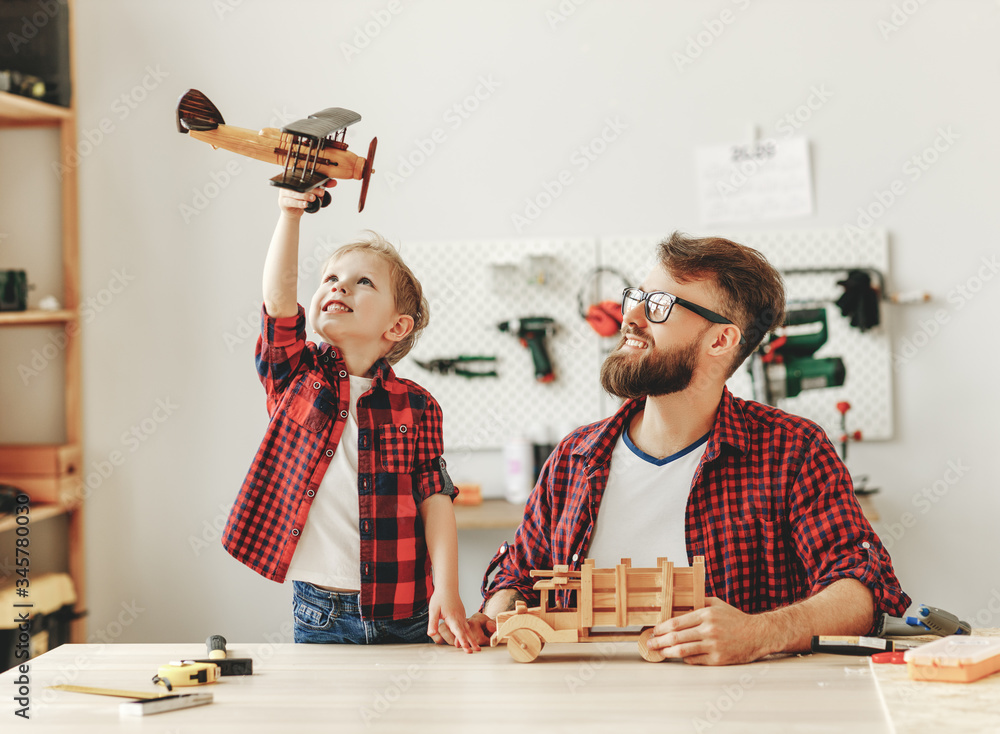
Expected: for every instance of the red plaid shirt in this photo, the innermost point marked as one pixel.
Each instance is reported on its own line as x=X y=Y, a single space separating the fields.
x=399 y=466
x=771 y=508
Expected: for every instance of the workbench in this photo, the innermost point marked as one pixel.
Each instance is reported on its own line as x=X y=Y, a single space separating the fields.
x=595 y=687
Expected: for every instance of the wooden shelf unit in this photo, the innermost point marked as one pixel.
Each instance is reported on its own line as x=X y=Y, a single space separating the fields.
x=21 y=112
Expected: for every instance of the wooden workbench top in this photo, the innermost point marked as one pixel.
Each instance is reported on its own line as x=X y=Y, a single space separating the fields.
x=601 y=687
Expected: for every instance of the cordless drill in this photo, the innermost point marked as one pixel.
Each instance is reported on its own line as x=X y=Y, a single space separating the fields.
x=532 y=332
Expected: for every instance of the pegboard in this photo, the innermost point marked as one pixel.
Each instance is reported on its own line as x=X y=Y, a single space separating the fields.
x=867 y=355
x=472 y=286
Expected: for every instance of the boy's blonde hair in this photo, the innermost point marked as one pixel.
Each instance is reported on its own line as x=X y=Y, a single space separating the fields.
x=406 y=289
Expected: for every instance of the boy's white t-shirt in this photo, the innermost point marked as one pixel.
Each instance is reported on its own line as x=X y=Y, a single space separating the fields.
x=329 y=551
x=641 y=515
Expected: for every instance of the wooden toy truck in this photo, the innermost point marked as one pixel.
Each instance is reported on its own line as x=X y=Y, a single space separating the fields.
x=606 y=597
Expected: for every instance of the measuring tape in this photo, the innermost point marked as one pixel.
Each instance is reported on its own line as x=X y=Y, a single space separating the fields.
x=186 y=673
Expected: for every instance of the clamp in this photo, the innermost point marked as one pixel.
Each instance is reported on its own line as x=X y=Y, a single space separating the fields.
x=459 y=366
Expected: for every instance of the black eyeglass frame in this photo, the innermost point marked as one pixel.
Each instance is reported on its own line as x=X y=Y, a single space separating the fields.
x=694 y=307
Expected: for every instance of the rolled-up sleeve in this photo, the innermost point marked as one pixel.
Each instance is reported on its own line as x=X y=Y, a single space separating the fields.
x=430 y=470
x=279 y=350
x=833 y=537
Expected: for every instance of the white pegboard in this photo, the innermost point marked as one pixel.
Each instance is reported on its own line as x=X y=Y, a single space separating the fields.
x=472 y=286
x=867 y=355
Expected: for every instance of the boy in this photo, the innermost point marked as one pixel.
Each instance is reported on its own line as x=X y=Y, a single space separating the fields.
x=348 y=495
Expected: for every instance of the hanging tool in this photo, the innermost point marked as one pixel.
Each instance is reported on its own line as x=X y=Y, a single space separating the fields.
x=459 y=366
x=842 y=407
x=859 y=301
x=532 y=332
x=216 y=645
x=787 y=365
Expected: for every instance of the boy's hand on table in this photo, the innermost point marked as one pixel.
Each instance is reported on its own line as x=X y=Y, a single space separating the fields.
x=481 y=628
x=446 y=606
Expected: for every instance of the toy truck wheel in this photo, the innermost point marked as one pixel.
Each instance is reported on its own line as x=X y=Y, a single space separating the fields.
x=653 y=656
x=524 y=645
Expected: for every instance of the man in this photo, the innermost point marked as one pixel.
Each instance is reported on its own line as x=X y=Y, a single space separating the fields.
x=685 y=469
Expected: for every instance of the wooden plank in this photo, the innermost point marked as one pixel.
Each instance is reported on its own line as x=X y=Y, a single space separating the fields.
x=17 y=109
x=666 y=591
x=698 y=582
x=621 y=594
x=38 y=513
x=36 y=317
x=65 y=491
x=585 y=602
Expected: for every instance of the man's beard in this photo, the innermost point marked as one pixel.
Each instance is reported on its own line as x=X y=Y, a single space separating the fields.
x=629 y=375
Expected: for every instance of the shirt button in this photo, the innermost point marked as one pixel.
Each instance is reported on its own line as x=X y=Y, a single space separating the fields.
x=329 y=452
x=333 y=353
x=343 y=373
x=576 y=557
x=343 y=414
x=866 y=544
x=316 y=386
x=295 y=531
x=310 y=493
x=402 y=429
x=364 y=526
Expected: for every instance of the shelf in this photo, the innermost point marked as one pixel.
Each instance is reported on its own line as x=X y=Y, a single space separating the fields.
x=37 y=514
x=490 y=514
x=18 y=110
x=36 y=317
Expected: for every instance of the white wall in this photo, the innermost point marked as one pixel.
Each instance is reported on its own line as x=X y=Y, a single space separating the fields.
x=172 y=346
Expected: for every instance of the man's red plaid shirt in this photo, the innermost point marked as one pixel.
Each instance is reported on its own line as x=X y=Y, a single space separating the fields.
x=399 y=466
x=771 y=508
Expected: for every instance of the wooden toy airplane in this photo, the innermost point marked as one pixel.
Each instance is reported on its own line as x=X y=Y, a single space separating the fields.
x=311 y=151
x=608 y=597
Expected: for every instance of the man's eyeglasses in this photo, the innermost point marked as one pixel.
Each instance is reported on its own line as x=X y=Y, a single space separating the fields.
x=659 y=304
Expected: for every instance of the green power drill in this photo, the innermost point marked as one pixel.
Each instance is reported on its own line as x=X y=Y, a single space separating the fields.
x=789 y=365
x=532 y=331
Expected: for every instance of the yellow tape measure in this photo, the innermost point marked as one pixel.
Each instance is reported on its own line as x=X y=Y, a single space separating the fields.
x=186 y=673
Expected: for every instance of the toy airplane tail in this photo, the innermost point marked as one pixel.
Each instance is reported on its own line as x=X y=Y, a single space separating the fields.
x=195 y=111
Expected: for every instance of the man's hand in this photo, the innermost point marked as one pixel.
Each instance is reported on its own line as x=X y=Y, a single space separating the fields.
x=481 y=628
x=446 y=606
x=718 y=634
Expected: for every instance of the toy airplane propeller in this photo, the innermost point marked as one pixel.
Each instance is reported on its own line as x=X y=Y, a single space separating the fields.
x=311 y=151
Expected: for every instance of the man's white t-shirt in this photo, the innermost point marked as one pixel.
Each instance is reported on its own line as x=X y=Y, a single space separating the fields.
x=329 y=551
x=641 y=515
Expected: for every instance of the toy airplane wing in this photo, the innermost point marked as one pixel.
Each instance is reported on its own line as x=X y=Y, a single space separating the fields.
x=322 y=124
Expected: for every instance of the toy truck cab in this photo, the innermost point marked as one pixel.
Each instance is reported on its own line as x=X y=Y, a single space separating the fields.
x=616 y=597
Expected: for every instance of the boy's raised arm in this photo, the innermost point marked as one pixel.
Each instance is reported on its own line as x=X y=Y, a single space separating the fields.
x=282 y=263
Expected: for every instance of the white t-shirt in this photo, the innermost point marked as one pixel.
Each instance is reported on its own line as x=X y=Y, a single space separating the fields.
x=329 y=551
x=641 y=515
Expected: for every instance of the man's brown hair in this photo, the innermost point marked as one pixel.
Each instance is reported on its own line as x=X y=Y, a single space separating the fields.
x=406 y=289
x=751 y=291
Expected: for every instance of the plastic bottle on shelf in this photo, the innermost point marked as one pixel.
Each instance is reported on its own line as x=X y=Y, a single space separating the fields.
x=519 y=462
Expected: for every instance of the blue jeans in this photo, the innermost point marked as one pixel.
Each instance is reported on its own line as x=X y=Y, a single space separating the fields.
x=330 y=616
